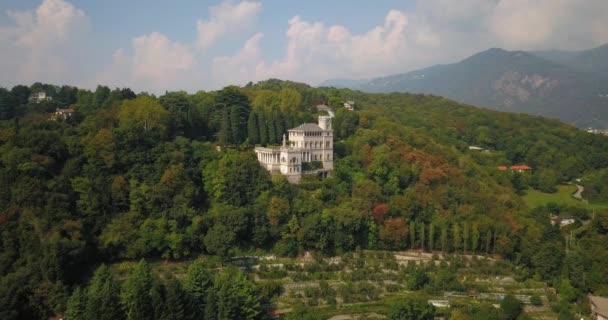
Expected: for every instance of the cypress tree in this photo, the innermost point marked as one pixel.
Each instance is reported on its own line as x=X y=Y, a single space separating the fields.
x=488 y=240
x=253 y=129
x=474 y=238
x=422 y=235
x=211 y=305
x=272 y=132
x=412 y=234
x=263 y=127
x=431 y=237
x=237 y=124
x=457 y=240
x=465 y=237
x=279 y=125
x=444 y=238
x=225 y=135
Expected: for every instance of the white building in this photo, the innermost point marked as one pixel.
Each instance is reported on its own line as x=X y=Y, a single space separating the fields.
x=349 y=105
x=40 y=96
x=309 y=150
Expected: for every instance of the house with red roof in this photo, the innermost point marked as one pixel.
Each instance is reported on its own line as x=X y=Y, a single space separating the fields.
x=517 y=168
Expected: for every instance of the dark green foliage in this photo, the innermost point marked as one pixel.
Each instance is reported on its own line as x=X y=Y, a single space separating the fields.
x=411 y=308
x=176 y=302
x=511 y=307
x=77 y=305
x=103 y=301
x=136 y=293
x=253 y=129
x=8 y=104
x=535 y=300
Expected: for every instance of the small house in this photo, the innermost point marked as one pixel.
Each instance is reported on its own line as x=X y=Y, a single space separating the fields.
x=64 y=113
x=520 y=168
x=349 y=105
x=40 y=96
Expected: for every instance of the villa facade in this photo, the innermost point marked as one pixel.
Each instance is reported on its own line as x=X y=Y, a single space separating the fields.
x=309 y=150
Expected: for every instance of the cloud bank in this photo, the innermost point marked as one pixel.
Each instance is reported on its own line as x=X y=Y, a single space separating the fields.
x=40 y=45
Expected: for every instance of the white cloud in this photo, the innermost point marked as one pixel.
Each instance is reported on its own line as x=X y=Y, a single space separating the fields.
x=40 y=44
x=316 y=52
x=238 y=69
x=224 y=19
x=155 y=63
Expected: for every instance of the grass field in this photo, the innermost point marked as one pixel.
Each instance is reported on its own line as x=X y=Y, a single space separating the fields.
x=535 y=198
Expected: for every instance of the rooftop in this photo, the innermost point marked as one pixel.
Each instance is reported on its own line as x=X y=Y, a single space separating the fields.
x=307 y=127
x=601 y=305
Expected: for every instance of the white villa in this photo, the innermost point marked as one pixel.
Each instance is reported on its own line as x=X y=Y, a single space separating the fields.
x=309 y=150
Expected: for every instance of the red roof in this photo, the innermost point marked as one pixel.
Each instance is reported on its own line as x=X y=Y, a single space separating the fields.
x=521 y=167
x=502 y=168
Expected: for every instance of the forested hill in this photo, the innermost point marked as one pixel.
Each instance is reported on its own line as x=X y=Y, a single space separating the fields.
x=572 y=87
x=132 y=176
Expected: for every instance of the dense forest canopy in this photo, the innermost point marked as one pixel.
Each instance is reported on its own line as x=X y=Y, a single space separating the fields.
x=134 y=176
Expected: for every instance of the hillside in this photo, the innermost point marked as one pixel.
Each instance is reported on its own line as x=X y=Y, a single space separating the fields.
x=133 y=177
x=512 y=81
x=593 y=61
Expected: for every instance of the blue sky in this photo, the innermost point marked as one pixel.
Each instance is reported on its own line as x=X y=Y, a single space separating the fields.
x=194 y=44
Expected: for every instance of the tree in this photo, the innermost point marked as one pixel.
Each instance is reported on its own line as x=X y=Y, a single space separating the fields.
x=176 y=301
x=21 y=93
x=547 y=261
x=143 y=116
x=456 y=237
x=77 y=305
x=412 y=234
x=8 y=104
x=135 y=293
x=511 y=307
x=224 y=136
x=220 y=241
x=253 y=129
x=431 y=237
x=198 y=285
x=411 y=308
x=101 y=95
x=103 y=301
x=236 y=296
x=474 y=238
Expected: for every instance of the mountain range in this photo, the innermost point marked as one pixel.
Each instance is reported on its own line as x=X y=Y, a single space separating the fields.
x=568 y=85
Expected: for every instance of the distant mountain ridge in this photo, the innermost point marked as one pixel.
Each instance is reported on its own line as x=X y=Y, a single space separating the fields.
x=570 y=86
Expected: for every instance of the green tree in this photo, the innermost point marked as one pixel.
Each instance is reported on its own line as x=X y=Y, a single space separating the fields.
x=176 y=302
x=8 y=104
x=77 y=305
x=143 y=115
x=511 y=307
x=224 y=135
x=547 y=261
x=236 y=296
x=220 y=241
x=103 y=300
x=198 y=284
x=135 y=293
x=253 y=129
x=411 y=308
x=412 y=234
x=456 y=237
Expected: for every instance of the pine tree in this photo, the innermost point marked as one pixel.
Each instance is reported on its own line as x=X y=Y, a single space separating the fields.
x=103 y=301
x=198 y=285
x=253 y=129
x=211 y=305
x=176 y=301
x=136 y=293
x=77 y=305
